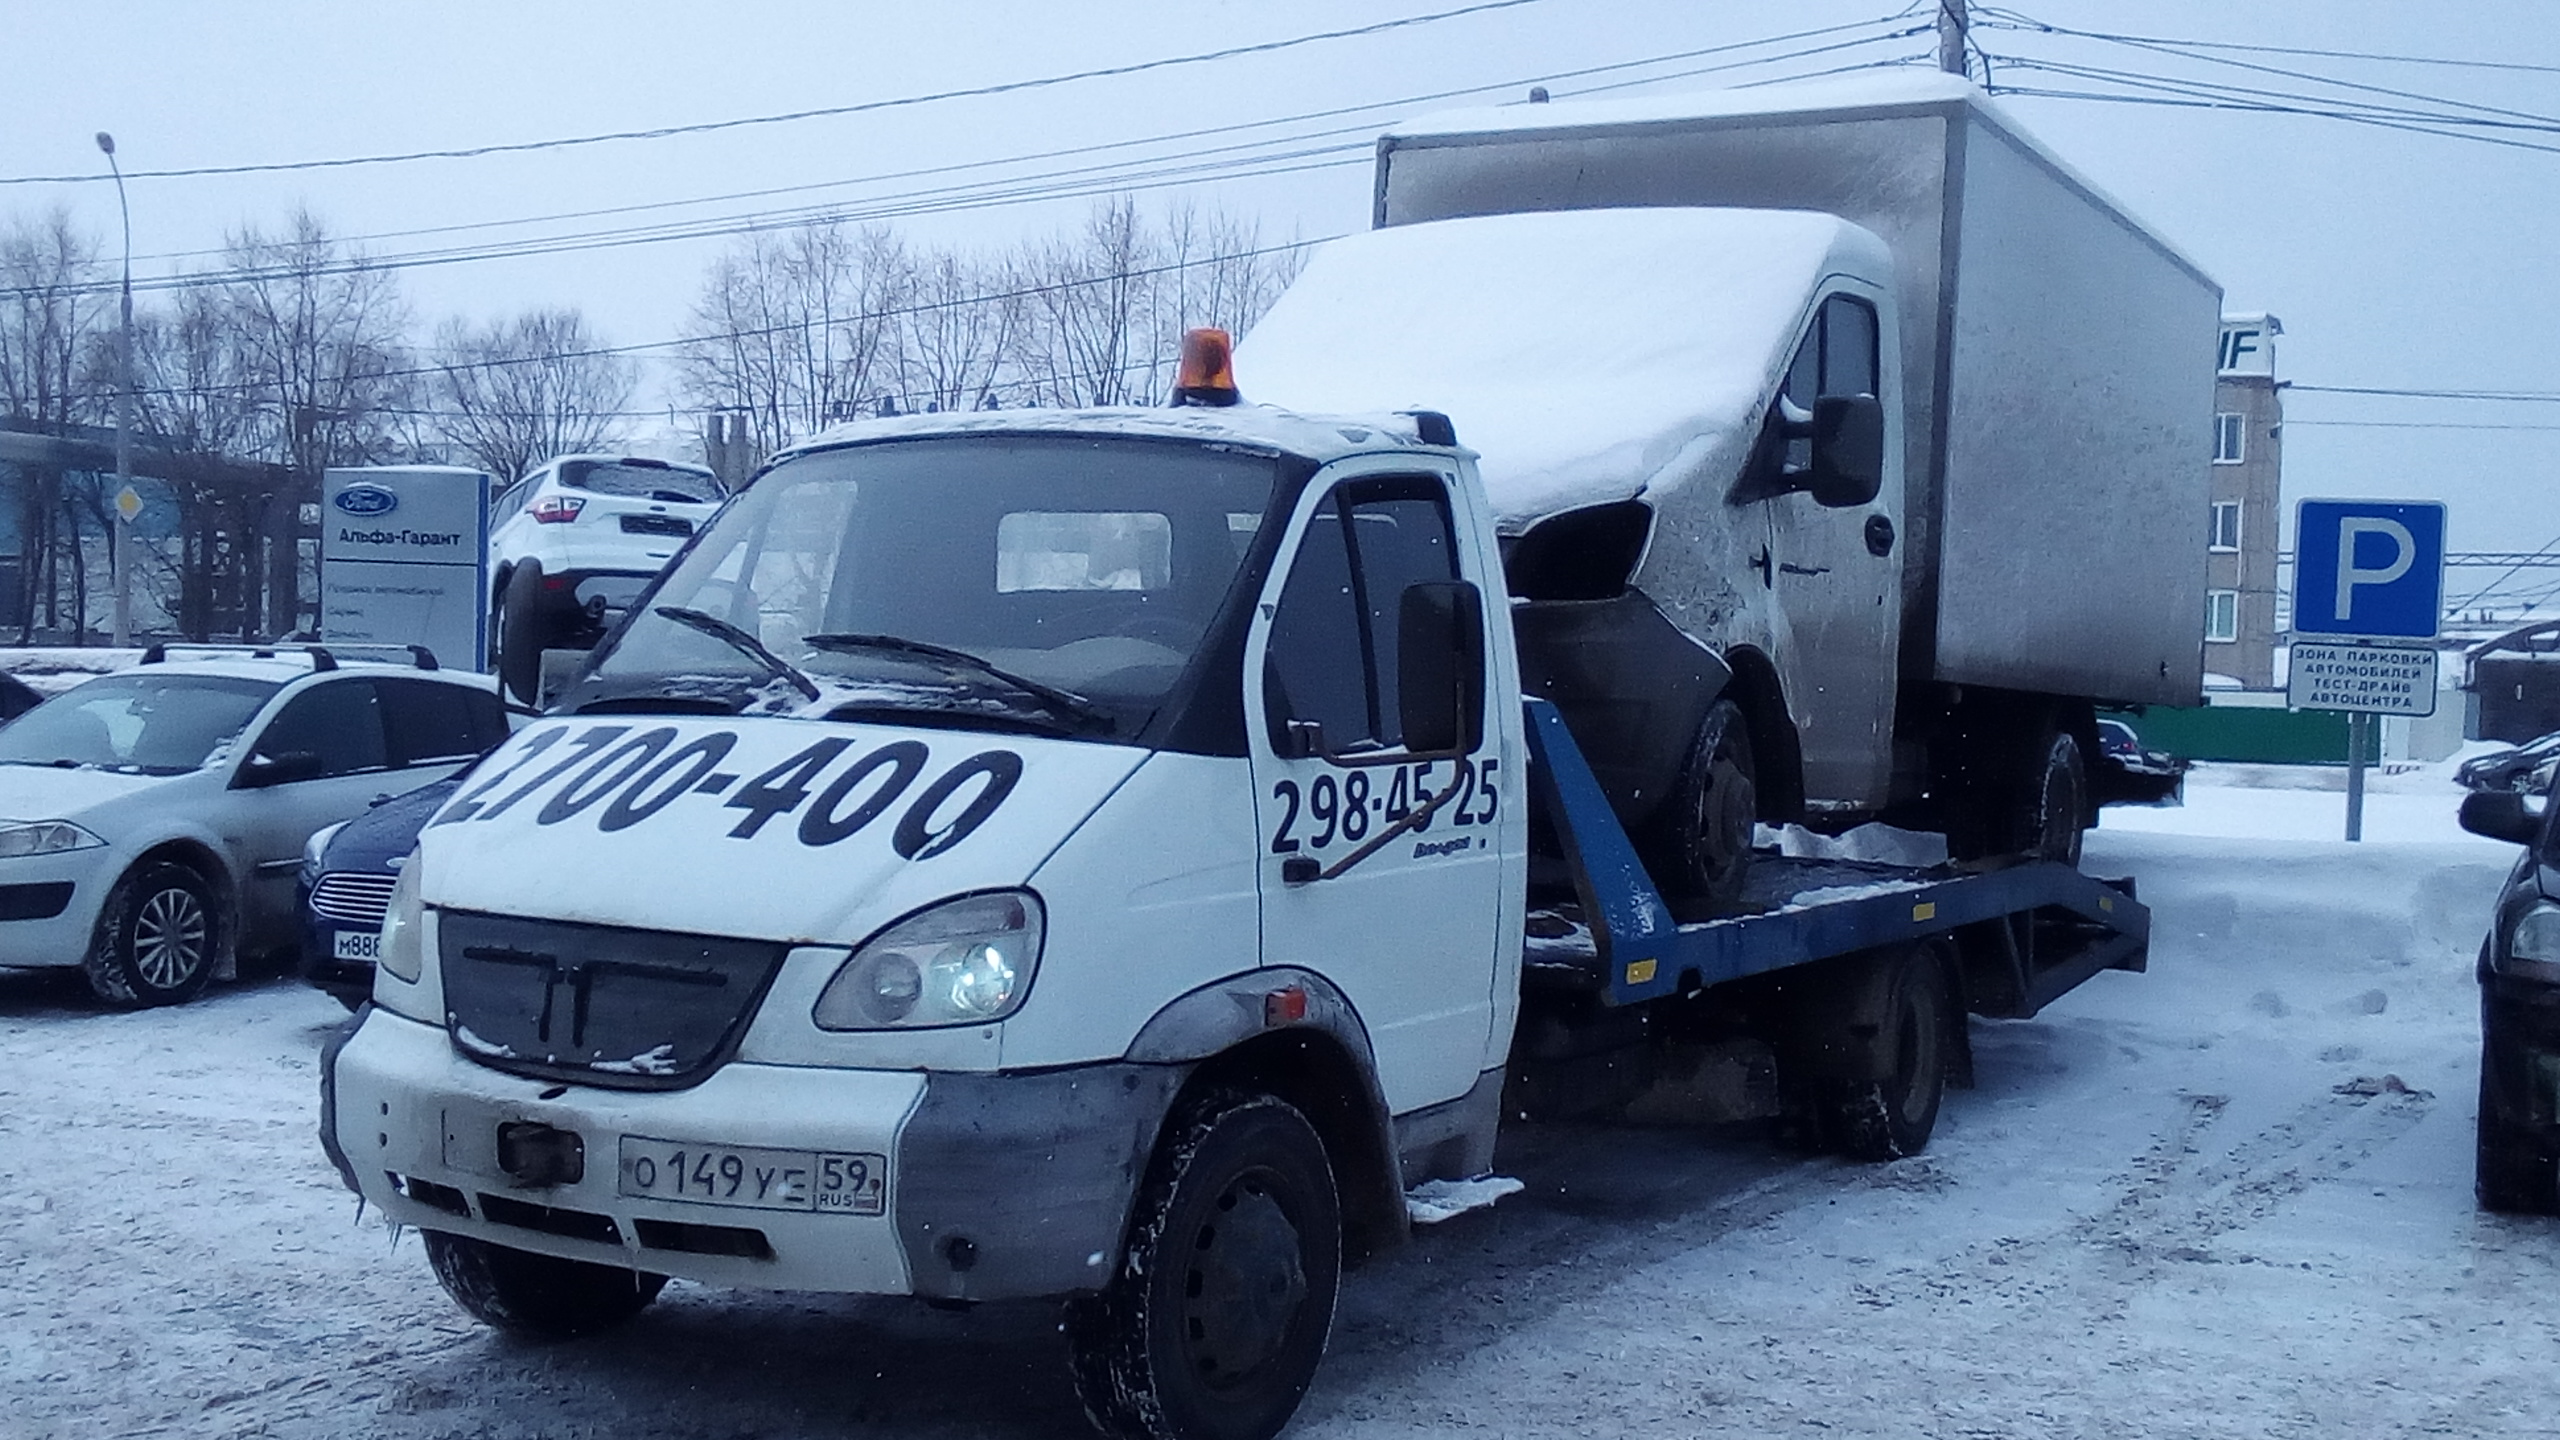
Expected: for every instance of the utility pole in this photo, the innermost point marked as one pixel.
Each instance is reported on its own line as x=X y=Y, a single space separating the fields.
x=1953 y=24
x=121 y=538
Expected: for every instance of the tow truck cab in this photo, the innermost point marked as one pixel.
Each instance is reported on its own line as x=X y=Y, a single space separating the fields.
x=981 y=806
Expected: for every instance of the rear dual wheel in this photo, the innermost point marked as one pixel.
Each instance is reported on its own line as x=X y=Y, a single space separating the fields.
x=1894 y=1115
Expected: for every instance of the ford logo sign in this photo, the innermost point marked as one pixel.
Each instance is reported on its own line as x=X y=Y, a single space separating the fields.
x=367 y=500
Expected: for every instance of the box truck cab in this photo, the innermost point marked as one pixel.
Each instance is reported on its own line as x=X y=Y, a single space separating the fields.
x=977 y=802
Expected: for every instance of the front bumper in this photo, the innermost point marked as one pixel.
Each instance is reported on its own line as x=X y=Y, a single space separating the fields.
x=51 y=927
x=2520 y=1054
x=997 y=1186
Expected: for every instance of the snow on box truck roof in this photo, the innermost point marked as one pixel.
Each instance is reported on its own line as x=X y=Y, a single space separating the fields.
x=1629 y=349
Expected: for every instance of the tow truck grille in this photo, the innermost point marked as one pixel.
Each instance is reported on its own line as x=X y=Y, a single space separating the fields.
x=636 y=1009
x=675 y=525
x=353 y=898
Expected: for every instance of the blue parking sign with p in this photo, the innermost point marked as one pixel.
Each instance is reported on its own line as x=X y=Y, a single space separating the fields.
x=2369 y=569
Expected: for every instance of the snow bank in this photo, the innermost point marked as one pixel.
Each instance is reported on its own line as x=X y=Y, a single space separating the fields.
x=52 y=669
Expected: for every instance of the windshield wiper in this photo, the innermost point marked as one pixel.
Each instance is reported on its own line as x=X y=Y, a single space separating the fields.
x=1064 y=702
x=744 y=643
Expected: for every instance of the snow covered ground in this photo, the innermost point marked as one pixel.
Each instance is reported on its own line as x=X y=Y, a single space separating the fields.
x=2230 y=1197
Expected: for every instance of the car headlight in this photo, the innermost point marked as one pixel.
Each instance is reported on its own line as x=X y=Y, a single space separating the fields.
x=318 y=845
x=43 y=837
x=962 y=962
x=2535 y=935
x=403 y=951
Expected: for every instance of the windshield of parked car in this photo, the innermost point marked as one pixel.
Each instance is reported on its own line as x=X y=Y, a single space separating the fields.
x=141 y=723
x=641 y=482
x=1058 y=583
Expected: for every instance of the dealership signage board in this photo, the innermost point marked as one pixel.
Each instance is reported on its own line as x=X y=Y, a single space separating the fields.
x=404 y=557
x=2378 y=679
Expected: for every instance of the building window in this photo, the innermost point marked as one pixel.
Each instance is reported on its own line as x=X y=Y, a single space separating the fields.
x=2230 y=437
x=2226 y=525
x=2222 y=615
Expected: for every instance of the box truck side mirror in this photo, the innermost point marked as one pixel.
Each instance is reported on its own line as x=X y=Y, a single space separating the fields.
x=1440 y=668
x=1848 y=451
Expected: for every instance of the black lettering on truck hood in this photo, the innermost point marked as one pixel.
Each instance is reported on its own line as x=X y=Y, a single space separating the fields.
x=762 y=829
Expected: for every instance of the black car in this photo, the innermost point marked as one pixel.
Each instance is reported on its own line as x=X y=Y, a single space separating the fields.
x=345 y=886
x=2525 y=769
x=16 y=698
x=2124 y=773
x=2519 y=1125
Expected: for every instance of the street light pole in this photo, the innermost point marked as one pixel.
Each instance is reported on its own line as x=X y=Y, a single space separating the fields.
x=122 y=535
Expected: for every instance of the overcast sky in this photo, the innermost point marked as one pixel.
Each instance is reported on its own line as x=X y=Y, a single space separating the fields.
x=2393 y=259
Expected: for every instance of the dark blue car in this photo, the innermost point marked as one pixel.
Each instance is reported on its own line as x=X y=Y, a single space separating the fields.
x=345 y=886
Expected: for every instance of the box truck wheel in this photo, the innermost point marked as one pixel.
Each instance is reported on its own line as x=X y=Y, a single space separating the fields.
x=2033 y=801
x=2513 y=1172
x=1212 y=1325
x=1701 y=845
x=537 y=1295
x=1893 y=1116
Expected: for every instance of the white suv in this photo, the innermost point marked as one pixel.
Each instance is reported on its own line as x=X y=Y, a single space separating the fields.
x=151 y=820
x=573 y=543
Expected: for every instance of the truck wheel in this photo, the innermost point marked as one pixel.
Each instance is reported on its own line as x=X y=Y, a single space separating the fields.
x=537 y=1295
x=1702 y=844
x=1889 y=1118
x=158 y=938
x=523 y=627
x=2037 y=811
x=2512 y=1174
x=1212 y=1325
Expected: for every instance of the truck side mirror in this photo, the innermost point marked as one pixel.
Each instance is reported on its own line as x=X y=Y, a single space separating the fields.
x=2499 y=815
x=1848 y=451
x=1440 y=668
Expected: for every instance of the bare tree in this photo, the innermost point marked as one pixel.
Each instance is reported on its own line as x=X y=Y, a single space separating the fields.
x=961 y=326
x=323 y=348
x=195 y=398
x=49 y=310
x=1091 y=300
x=798 y=330
x=522 y=390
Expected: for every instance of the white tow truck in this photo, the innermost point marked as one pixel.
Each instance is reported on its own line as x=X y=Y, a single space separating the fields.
x=1106 y=855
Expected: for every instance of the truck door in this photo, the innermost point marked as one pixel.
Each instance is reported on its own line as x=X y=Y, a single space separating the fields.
x=1408 y=930
x=1837 y=575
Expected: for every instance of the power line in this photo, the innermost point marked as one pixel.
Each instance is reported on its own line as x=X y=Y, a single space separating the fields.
x=2038 y=93
x=823 y=112
x=2013 y=20
x=1548 y=77
x=2535 y=124
x=2546 y=397
x=2290 y=422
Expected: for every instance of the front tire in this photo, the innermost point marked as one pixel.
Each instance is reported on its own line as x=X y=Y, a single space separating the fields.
x=1702 y=842
x=159 y=937
x=538 y=1296
x=1213 y=1324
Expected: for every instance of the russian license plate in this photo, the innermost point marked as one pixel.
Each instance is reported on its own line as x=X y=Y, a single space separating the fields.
x=831 y=1184
x=365 y=945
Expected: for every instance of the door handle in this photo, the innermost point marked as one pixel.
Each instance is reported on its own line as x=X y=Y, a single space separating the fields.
x=1879 y=535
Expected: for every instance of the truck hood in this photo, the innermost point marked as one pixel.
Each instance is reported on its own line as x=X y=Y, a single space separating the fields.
x=1630 y=350
x=46 y=792
x=771 y=829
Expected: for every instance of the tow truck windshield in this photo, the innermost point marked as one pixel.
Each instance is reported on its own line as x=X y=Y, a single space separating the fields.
x=1059 y=584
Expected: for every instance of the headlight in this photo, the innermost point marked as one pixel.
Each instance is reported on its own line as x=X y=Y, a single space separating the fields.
x=43 y=837
x=403 y=951
x=962 y=962
x=2536 y=934
x=318 y=845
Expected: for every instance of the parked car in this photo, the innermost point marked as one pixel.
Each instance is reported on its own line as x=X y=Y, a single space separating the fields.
x=2128 y=774
x=16 y=698
x=345 y=885
x=574 y=542
x=154 y=818
x=2517 y=1155
x=2525 y=769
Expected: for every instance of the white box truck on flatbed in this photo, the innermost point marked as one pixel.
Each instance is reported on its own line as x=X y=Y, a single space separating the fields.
x=1104 y=855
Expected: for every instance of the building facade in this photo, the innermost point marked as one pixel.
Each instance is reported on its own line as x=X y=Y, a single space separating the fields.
x=2240 y=623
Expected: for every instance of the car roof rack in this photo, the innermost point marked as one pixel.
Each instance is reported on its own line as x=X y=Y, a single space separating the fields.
x=323 y=657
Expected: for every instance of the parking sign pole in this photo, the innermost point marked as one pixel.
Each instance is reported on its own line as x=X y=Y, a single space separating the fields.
x=2359 y=730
